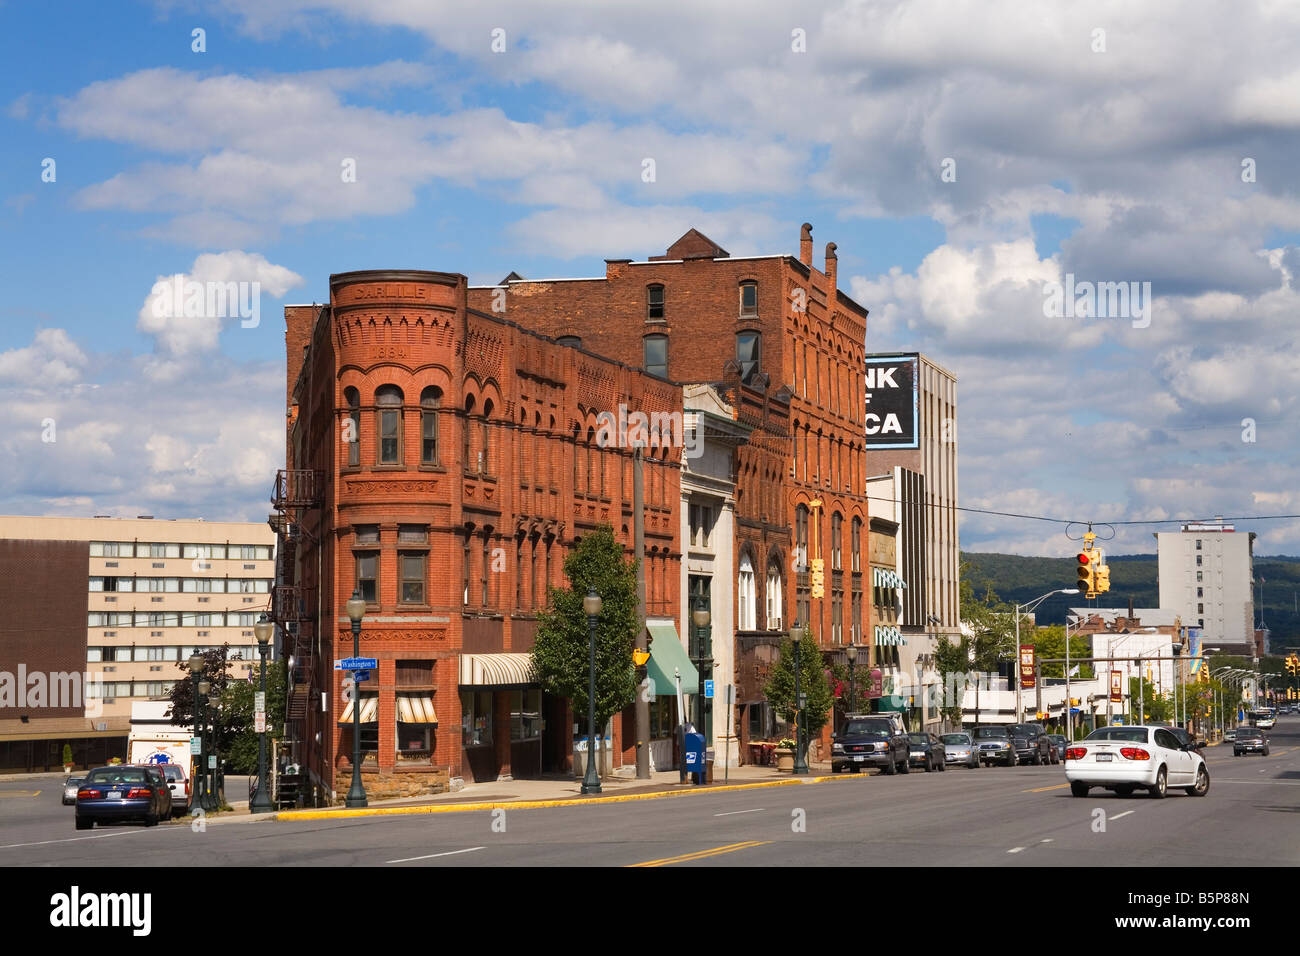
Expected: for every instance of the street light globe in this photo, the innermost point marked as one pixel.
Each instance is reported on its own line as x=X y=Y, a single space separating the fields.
x=196 y=662
x=263 y=629
x=701 y=617
x=592 y=603
x=851 y=652
x=1069 y=591
x=204 y=687
x=356 y=607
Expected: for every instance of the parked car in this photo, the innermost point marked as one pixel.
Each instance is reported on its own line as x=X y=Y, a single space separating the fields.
x=995 y=745
x=960 y=749
x=70 y=790
x=1032 y=745
x=926 y=750
x=1229 y=735
x=122 y=792
x=179 y=784
x=1059 y=744
x=1250 y=740
x=1122 y=759
x=870 y=740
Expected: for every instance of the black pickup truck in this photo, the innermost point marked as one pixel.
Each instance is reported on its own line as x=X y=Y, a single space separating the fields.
x=870 y=740
x=1032 y=744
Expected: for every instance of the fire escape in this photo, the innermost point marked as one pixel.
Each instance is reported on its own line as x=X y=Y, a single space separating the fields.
x=296 y=495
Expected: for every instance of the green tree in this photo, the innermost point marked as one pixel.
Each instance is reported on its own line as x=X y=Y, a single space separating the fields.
x=952 y=658
x=779 y=689
x=1049 y=644
x=239 y=717
x=1146 y=704
x=561 y=652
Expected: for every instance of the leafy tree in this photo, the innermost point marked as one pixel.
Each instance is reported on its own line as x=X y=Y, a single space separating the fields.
x=1146 y=704
x=239 y=716
x=779 y=689
x=1049 y=643
x=561 y=652
x=952 y=658
x=216 y=663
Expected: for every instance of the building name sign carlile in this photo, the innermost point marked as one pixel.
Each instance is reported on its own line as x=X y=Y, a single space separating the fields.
x=890 y=419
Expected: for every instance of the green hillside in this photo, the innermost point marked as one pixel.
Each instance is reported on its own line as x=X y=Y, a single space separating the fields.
x=1019 y=579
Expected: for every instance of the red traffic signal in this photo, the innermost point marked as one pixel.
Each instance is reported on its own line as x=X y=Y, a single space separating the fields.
x=1083 y=557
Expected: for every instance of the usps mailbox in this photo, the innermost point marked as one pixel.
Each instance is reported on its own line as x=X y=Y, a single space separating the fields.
x=694 y=756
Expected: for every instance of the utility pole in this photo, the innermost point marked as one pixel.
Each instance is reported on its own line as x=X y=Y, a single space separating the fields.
x=642 y=706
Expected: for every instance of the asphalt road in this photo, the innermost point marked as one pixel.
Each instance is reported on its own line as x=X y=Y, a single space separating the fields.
x=989 y=817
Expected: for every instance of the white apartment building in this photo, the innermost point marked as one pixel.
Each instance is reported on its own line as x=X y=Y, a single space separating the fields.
x=1206 y=577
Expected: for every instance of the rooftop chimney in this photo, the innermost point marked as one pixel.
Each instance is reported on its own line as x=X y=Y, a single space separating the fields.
x=805 y=244
x=831 y=263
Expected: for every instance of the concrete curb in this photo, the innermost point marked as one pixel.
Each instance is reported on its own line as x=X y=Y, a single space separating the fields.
x=291 y=815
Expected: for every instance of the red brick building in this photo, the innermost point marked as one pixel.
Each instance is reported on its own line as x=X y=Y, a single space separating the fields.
x=444 y=461
x=696 y=314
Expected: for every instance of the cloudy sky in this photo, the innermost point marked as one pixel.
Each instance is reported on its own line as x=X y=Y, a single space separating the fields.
x=964 y=156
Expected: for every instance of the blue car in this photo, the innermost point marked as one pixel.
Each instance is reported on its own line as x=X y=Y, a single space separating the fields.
x=123 y=793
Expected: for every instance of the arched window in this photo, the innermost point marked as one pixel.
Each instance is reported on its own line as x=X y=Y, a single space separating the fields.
x=656 y=355
x=837 y=533
x=466 y=460
x=388 y=399
x=353 y=398
x=485 y=443
x=745 y=594
x=573 y=341
x=591 y=461
x=801 y=537
x=773 y=595
x=749 y=299
x=654 y=303
x=430 y=401
x=857 y=545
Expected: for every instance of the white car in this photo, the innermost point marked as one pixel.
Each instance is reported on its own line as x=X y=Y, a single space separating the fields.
x=1125 y=758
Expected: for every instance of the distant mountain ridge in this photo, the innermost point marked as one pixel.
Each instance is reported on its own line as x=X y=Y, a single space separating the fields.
x=1018 y=579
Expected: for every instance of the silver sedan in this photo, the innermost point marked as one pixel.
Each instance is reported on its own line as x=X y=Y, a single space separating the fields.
x=959 y=750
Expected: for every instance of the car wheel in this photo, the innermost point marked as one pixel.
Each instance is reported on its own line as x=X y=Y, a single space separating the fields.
x=1265 y=751
x=1079 y=789
x=906 y=766
x=853 y=769
x=975 y=764
x=891 y=767
x=151 y=819
x=84 y=824
x=1162 y=785
x=1202 y=785
x=929 y=765
x=1012 y=760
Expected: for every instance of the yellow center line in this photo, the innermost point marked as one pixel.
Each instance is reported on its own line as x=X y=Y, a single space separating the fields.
x=701 y=854
x=19 y=793
x=1059 y=786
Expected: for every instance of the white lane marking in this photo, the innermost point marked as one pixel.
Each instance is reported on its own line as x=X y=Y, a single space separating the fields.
x=1016 y=849
x=97 y=836
x=1048 y=840
x=432 y=855
x=1124 y=814
x=732 y=813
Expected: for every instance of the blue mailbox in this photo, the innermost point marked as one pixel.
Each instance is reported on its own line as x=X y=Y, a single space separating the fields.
x=694 y=757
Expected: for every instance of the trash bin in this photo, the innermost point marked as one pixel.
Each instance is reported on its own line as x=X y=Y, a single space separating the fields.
x=708 y=760
x=604 y=757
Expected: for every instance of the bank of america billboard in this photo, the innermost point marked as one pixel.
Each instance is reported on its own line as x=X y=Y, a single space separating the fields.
x=891 y=401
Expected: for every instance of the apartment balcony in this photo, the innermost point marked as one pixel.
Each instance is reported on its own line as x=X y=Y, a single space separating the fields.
x=298 y=488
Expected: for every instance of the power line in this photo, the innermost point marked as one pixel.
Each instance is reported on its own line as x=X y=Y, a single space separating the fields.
x=1069 y=521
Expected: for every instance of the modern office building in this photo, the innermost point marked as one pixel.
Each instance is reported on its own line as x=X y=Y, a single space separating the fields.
x=120 y=602
x=1207 y=577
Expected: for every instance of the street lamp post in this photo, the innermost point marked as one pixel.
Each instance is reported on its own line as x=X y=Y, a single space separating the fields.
x=356 y=608
x=262 y=630
x=207 y=802
x=196 y=665
x=800 y=764
x=1029 y=606
x=704 y=658
x=591 y=604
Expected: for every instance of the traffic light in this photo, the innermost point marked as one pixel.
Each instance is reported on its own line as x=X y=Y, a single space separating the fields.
x=818 y=577
x=1087 y=582
x=1102 y=573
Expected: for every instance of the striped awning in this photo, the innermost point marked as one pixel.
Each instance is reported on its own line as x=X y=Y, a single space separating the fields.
x=497 y=670
x=882 y=578
x=416 y=709
x=369 y=710
x=889 y=636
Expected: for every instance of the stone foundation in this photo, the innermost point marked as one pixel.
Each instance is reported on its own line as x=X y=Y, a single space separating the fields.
x=393 y=785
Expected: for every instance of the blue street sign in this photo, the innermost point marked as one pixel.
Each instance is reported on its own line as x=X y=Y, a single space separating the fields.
x=708 y=689
x=356 y=664
x=358 y=676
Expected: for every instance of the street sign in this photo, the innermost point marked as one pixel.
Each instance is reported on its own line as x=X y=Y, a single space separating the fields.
x=212 y=761
x=708 y=690
x=259 y=723
x=358 y=676
x=356 y=664
x=259 y=701
x=196 y=745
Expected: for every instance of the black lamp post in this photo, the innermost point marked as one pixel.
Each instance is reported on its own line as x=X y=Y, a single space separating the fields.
x=851 y=652
x=262 y=630
x=591 y=604
x=196 y=665
x=208 y=798
x=700 y=617
x=800 y=764
x=356 y=793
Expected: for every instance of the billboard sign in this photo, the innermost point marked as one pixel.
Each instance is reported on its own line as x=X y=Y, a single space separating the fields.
x=1116 y=686
x=1027 y=665
x=891 y=401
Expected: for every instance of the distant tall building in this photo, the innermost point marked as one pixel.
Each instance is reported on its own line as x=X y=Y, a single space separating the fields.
x=1206 y=576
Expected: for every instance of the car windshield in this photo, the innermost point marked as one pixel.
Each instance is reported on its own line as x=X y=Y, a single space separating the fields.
x=109 y=776
x=868 y=728
x=983 y=732
x=172 y=772
x=956 y=739
x=1024 y=730
x=1249 y=735
x=918 y=738
x=1132 y=735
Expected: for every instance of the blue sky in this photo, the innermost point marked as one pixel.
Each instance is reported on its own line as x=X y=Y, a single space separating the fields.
x=1097 y=157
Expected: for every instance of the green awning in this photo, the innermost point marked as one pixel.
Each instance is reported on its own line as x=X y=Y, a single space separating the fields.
x=886 y=704
x=667 y=655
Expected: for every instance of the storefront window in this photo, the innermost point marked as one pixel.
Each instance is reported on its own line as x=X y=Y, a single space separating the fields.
x=525 y=714
x=661 y=718
x=476 y=718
